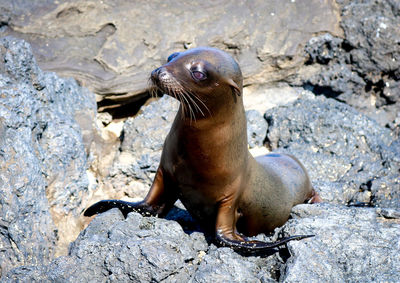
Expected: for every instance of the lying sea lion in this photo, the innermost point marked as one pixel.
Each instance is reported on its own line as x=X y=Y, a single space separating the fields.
x=206 y=162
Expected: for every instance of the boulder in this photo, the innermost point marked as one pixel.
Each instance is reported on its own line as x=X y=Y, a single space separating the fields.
x=350 y=157
x=43 y=159
x=348 y=242
x=362 y=67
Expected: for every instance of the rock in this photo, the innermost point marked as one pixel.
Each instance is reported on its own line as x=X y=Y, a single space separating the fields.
x=224 y=265
x=256 y=128
x=146 y=249
x=43 y=160
x=351 y=245
x=339 y=146
x=144 y=135
x=361 y=68
x=348 y=242
x=139 y=249
x=112 y=46
x=134 y=167
x=263 y=98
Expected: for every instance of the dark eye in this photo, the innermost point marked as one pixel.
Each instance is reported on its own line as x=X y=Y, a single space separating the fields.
x=200 y=76
x=172 y=56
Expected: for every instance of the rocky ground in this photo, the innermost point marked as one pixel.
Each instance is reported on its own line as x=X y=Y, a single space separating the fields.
x=328 y=94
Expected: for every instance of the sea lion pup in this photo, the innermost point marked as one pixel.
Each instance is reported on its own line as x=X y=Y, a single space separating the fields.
x=206 y=162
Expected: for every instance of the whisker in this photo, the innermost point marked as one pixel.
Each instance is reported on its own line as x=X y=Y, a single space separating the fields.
x=201 y=101
x=153 y=92
x=189 y=96
x=191 y=113
x=178 y=96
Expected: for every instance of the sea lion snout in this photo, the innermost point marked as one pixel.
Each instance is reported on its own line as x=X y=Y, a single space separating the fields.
x=163 y=79
x=158 y=74
x=155 y=73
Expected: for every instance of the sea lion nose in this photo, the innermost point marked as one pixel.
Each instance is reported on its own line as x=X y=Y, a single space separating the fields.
x=159 y=74
x=155 y=73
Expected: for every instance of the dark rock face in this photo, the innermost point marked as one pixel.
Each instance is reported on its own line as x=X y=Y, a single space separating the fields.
x=351 y=154
x=42 y=154
x=349 y=241
x=256 y=128
x=143 y=139
x=361 y=69
x=144 y=249
x=351 y=245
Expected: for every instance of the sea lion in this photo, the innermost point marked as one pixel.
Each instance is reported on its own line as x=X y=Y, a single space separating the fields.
x=206 y=162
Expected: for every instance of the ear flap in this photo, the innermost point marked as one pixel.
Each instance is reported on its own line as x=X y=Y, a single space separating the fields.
x=235 y=87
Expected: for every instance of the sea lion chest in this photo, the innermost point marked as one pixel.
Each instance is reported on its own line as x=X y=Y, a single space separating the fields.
x=202 y=165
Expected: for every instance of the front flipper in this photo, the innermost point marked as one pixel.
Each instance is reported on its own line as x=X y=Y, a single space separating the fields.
x=159 y=200
x=246 y=246
x=124 y=206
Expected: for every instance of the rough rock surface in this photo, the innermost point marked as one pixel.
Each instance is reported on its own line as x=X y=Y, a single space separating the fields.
x=362 y=68
x=351 y=158
x=144 y=249
x=144 y=136
x=133 y=167
x=348 y=242
x=351 y=245
x=42 y=155
x=256 y=128
x=111 y=46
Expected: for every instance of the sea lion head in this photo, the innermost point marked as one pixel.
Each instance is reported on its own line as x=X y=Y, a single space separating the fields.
x=200 y=78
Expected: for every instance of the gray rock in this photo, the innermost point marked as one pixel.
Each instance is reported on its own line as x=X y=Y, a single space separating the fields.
x=144 y=249
x=351 y=245
x=256 y=128
x=361 y=68
x=224 y=265
x=135 y=249
x=339 y=145
x=142 y=141
x=42 y=155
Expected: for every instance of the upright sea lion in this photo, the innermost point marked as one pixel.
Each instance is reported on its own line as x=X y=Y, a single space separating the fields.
x=206 y=163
